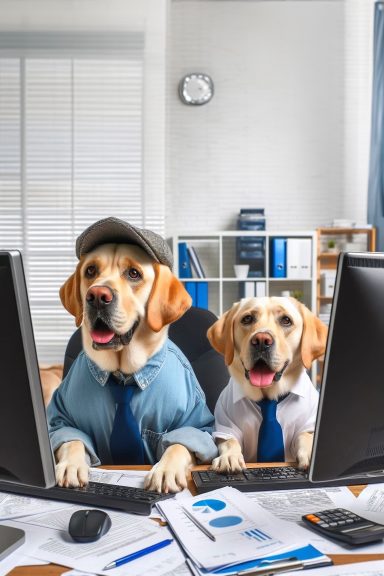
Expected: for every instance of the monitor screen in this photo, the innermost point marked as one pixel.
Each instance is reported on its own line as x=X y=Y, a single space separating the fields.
x=349 y=434
x=25 y=451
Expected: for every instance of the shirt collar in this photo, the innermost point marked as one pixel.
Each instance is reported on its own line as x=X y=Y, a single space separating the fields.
x=143 y=377
x=299 y=388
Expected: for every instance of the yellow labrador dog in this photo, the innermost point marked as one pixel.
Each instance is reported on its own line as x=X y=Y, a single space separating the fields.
x=267 y=344
x=124 y=296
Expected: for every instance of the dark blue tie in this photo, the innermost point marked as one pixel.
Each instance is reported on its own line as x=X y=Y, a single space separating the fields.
x=125 y=442
x=270 y=446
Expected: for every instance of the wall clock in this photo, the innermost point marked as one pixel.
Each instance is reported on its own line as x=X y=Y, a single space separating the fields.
x=196 y=89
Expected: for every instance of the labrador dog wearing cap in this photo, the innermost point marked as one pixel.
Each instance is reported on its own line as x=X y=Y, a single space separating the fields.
x=131 y=396
x=268 y=344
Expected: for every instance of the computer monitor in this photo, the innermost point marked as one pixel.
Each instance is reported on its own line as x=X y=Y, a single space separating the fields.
x=25 y=450
x=349 y=433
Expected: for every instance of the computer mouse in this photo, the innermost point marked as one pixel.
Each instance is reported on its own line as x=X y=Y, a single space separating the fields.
x=88 y=525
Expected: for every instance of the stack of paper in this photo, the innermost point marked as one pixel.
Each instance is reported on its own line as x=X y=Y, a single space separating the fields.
x=225 y=532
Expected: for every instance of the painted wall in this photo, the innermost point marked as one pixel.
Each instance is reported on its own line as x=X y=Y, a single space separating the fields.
x=273 y=135
x=148 y=16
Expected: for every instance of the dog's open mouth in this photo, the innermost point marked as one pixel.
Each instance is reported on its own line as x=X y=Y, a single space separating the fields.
x=103 y=337
x=262 y=376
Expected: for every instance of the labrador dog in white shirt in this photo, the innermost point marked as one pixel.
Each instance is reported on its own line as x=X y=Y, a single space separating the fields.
x=267 y=343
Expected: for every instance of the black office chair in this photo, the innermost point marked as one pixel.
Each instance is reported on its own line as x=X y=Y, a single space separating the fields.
x=189 y=334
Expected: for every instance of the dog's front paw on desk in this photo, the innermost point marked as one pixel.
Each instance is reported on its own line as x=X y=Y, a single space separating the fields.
x=228 y=463
x=170 y=473
x=304 y=450
x=71 y=468
x=231 y=458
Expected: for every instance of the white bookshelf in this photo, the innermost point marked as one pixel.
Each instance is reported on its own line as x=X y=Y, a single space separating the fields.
x=217 y=254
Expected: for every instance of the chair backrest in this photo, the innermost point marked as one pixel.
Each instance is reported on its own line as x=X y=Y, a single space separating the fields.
x=189 y=333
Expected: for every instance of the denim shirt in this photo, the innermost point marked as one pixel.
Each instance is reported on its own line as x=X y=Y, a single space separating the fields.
x=169 y=406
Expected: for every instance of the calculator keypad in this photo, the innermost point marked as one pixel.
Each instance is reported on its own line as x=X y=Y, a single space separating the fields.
x=334 y=518
x=345 y=525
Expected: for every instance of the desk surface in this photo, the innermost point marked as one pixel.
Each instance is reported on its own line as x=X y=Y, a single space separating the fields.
x=55 y=570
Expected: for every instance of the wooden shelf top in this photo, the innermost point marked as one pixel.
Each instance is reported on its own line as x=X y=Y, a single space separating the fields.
x=345 y=230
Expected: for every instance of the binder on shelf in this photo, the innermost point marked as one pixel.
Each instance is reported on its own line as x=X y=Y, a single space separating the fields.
x=305 y=258
x=184 y=261
x=299 y=258
x=279 y=257
x=249 y=289
x=201 y=295
x=196 y=264
x=260 y=289
x=198 y=291
x=191 y=289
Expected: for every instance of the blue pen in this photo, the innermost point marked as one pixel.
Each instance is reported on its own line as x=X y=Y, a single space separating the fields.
x=137 y=554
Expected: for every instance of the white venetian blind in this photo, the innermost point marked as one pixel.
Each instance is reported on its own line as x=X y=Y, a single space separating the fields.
x=70 y=153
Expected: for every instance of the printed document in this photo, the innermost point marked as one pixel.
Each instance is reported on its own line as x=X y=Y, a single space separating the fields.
x=15 y=505
x=129 y=533
x=291 y=505
x=243 y=529
x=370 y=503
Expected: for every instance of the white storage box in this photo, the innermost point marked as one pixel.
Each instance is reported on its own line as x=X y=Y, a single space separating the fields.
x=327 y=282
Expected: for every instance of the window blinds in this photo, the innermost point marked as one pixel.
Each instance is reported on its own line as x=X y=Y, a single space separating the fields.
x=70 y=153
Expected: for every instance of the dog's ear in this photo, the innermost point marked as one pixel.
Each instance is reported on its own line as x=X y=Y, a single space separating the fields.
x=168 y=299
x=70 y=296
x=314 y=337
x=220 y=334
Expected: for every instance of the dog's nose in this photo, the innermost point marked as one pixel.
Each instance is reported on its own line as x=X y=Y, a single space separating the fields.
x=262 y=341
x=99 y=296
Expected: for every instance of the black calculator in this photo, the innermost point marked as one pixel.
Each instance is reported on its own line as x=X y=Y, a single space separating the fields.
x=344 y=525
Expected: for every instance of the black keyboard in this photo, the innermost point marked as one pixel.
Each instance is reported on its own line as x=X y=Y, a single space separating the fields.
x=123 y=498
x=267 y=478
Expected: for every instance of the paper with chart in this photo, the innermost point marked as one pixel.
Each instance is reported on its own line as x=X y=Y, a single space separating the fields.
x=243 y=529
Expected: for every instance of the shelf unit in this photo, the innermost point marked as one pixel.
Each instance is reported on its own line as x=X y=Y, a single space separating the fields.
x=347 y=240
x=217 y=254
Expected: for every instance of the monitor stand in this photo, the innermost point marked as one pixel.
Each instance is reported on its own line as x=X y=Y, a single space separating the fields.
x=10 y=539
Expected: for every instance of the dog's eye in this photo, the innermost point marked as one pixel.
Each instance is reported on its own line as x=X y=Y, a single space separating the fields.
x=248 y=319
x=133 y=274
x=285 y=321
x=90 y=271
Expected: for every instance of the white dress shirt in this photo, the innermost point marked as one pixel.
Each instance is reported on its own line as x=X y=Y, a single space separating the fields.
x=236 y=416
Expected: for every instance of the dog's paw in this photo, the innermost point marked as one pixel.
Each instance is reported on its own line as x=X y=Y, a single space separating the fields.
x=170 y=473
x=303 y=458
x=161 y=479
x=304 y=450
x=71 y=469
x=228 y=463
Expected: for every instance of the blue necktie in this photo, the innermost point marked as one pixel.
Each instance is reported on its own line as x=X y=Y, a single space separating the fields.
x=125 y=442
x=270 y=447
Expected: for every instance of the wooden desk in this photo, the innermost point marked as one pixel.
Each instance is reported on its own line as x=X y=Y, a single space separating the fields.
x=55 y=570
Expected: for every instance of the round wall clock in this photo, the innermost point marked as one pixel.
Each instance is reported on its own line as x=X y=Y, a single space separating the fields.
x=196 y=89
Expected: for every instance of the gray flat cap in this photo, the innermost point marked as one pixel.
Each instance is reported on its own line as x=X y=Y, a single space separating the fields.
x=113 y=230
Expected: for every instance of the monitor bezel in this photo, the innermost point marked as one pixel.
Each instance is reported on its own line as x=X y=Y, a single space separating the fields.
x=14 y=258
x=317 y=475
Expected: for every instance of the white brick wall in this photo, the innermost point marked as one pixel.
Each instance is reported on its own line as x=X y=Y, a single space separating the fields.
x=273 y=135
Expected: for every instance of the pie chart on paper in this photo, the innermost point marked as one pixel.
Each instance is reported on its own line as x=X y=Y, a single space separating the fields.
x=209 y=505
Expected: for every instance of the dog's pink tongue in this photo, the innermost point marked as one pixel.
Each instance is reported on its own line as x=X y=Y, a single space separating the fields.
x=261 y=376
x=102 y=336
